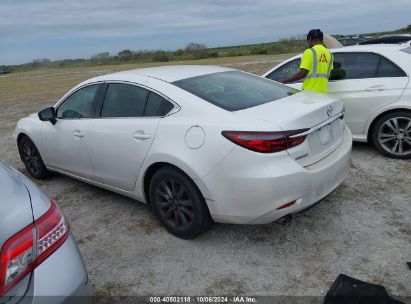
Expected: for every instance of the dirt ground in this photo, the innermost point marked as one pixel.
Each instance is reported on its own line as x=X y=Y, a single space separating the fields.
x=363 y=229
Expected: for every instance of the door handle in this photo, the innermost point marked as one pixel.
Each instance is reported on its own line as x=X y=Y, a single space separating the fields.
x=78 y=133
x=141 y=135
x=378 y=87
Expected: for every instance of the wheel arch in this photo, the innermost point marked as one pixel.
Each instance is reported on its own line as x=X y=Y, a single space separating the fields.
x=154 y=167
x=30 y=127
x=19 y=138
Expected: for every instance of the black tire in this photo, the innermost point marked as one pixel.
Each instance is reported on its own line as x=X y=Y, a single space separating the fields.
x=178 y=203
x=31 y=158
x=391 y=134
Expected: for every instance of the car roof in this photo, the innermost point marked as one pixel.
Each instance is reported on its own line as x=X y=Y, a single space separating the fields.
x=378 y=48
x=169 y=73
x=370 y=48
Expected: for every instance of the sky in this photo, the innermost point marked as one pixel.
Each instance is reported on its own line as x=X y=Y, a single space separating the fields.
x=33 y=29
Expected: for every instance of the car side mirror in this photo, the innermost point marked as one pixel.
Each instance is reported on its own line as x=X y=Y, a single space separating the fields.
x=48 y=114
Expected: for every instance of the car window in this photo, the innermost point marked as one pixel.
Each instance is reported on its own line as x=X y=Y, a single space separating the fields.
x=286 y=70
x=354 y=66
x=389 y=69
x=363 y=65
x=157 y=105
x=234 y=90
x=124 y=100
x=79 y=104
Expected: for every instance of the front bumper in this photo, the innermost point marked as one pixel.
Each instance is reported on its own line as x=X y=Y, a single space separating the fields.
x=248 y=188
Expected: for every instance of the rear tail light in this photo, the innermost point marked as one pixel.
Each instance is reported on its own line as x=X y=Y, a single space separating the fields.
x=52 y=231
x=266 y=142
x=17 y=258
x=289 y=204
x=27 y=249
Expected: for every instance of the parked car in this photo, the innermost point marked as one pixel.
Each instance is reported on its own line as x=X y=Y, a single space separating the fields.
x=346 y=41
x=390 y=39
x=373 y=82
x=40 y=261
x=194 y=142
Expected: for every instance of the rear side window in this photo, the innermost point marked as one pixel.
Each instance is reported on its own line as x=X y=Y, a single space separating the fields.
x=124 y=100
x=286 y=70
x=234 y=90
x=389 y=69
x=355 y=65
x=157 y=105
x=79 y=104
x=363 y=65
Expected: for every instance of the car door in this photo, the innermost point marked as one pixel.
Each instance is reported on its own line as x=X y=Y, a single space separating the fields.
x=365 y=82
x=121 y=137
x=64 y=143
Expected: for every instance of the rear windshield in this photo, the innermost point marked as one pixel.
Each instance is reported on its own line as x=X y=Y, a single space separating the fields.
x=234 y=90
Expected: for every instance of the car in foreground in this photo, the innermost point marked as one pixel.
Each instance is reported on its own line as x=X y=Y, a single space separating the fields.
x=373 y=81
x=40 y=261
x=194 y=142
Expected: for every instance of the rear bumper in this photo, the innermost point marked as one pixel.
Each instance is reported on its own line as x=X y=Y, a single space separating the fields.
x=248 y=187
x=62 y=278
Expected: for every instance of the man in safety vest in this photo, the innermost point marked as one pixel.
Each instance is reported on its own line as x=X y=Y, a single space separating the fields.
x=316 y=64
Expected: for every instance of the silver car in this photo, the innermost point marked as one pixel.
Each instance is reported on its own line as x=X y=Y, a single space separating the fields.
x=40 y=261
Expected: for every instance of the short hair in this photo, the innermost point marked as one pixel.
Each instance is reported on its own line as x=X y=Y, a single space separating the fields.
x=315 y=34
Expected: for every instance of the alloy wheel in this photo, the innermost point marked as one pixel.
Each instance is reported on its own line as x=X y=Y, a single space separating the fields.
x=394 y=136
x=175 y=205
x=31 y=157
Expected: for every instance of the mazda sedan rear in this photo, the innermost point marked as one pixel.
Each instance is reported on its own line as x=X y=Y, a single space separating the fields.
x=194 y=142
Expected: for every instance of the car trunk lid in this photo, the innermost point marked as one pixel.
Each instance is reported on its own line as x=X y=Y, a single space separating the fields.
x=318 y=115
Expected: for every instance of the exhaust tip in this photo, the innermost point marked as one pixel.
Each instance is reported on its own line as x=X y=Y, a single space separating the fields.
x=287 y=219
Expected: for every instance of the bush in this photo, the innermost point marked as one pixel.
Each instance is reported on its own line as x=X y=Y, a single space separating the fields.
x=179 y=52
x=194 y=47
x=230 y=54
x=204 y=54
x=259 y=50
x=160 y=56
x=100 y=56
x=125 y=55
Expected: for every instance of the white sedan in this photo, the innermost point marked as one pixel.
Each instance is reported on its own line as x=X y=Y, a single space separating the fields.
x=194 y=142
x=373 y=81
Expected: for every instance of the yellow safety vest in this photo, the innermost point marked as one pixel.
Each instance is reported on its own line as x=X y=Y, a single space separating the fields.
x=318 y=60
